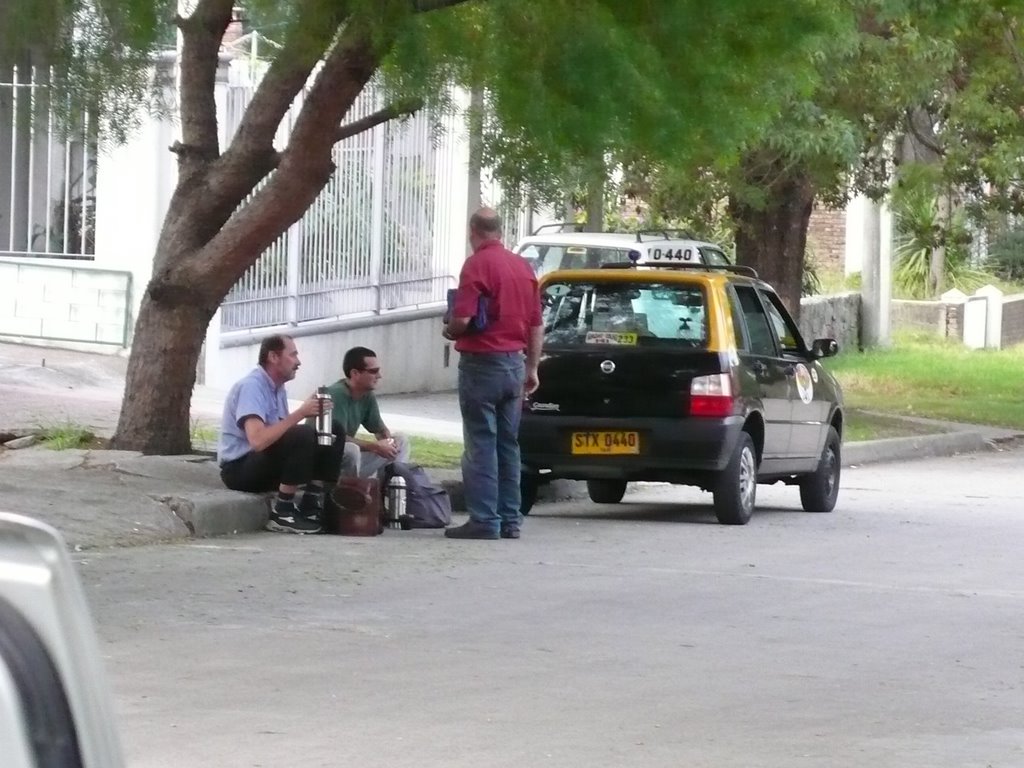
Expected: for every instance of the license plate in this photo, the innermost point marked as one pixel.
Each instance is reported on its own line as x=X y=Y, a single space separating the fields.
x=605 y=443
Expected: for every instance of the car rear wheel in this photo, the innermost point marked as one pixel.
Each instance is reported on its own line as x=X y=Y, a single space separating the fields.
x=528 y=485
x=736 y=489
x=606 y=491
x=820 y=490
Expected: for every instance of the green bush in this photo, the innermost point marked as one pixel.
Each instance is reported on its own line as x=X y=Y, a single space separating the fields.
x=811 y=281
x=921 y=234
x=1006 y=255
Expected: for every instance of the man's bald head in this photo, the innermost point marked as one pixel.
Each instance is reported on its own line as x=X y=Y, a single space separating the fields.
x=485 y=224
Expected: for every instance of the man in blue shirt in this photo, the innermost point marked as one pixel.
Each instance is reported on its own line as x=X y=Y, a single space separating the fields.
x=263 y=446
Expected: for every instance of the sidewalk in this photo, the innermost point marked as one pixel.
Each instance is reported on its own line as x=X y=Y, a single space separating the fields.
x=110 y=498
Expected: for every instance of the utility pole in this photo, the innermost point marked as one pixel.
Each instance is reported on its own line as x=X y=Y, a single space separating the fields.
x=876 y=277
x=476 y=137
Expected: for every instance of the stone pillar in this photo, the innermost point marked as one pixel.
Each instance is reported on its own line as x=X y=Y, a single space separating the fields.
x=950 y=324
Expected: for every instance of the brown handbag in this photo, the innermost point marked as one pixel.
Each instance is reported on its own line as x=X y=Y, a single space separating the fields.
x=357 y=508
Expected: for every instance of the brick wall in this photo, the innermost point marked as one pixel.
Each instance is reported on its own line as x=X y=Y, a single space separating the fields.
x=826 y=237
x=1013 y=320
x=927 y=316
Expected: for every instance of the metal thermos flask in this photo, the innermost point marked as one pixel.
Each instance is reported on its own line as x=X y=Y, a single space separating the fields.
x=396 y=501
x=324 y=432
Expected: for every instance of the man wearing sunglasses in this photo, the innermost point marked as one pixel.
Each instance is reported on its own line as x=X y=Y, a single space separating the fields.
x=355 y=406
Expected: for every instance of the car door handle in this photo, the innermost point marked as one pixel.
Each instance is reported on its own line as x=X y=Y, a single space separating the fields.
x=759 y=368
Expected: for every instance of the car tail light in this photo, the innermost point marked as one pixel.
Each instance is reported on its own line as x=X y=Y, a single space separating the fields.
x=712 y=395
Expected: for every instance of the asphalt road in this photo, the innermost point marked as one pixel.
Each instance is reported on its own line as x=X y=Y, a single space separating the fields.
x=888 y=633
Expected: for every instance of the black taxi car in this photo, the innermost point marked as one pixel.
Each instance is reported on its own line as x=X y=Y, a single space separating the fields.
x=689 y=374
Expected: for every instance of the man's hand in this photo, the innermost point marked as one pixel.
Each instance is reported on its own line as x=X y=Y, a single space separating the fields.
x=532 y=381
x=456 y=327
x=386 y=449
x=310 y=407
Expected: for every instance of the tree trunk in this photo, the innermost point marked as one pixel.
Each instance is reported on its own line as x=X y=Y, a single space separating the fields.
x=937 y=263
x=771 y=234
x=155 y=415
x=596 y=182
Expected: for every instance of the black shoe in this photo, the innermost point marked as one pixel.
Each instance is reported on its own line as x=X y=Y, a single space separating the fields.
x=285 y=518
x=508 y=532
x=312 y=506
x=471 y=530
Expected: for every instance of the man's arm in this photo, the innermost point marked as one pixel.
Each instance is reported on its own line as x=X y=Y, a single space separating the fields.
x=249 y=416
x=533 y=348
x=534 y=343
x=375 y=424
x=261 y=436
x=464 y=307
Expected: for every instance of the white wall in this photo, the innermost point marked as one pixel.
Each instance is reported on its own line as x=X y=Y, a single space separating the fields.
x=134 y=183
x=44 y=300
x=412 y=355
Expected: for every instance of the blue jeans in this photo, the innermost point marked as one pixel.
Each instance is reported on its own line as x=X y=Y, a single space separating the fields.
x=491 y=401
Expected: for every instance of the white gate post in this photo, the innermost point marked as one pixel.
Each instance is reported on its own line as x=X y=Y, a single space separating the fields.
x=975 y=322
x=994 y=315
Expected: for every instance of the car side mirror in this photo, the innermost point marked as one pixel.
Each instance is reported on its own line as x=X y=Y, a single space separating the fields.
x=824 y=348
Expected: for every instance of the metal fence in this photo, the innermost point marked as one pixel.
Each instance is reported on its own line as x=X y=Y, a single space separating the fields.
x=376 y=239
x=47 y=170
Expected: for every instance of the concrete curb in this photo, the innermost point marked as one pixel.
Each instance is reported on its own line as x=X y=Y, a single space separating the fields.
x=149 y=499
x=916 y=447
x=219 y=513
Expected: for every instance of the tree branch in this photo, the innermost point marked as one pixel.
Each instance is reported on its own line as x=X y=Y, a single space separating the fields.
x=426 y=6
x=390 y=112
x=926 y=141
x=305 y=166
x=286 y=76
x=251 y=155
x=201 y=34
x=1011 y=45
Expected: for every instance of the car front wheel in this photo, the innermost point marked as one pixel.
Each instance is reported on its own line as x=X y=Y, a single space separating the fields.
x=820 y=490
x=606 y=491
x=736 y=488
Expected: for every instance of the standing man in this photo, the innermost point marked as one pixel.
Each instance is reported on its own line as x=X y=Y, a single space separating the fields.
x=263 y=446
x=494 y=376
x=355 y=406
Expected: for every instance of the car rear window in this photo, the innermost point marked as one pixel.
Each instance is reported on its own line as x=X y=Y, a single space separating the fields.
x=625 y=314
x=548 y=258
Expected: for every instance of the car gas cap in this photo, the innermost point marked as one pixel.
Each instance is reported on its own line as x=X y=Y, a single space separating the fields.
x=607 y=366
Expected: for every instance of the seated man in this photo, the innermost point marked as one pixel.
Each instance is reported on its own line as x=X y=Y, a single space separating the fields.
x=355 y=406
x=263 y=446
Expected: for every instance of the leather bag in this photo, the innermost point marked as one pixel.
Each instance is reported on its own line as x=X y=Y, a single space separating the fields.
x=355 y=508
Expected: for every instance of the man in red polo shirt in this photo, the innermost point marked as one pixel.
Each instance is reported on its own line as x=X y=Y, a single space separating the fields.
x=497 y=366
